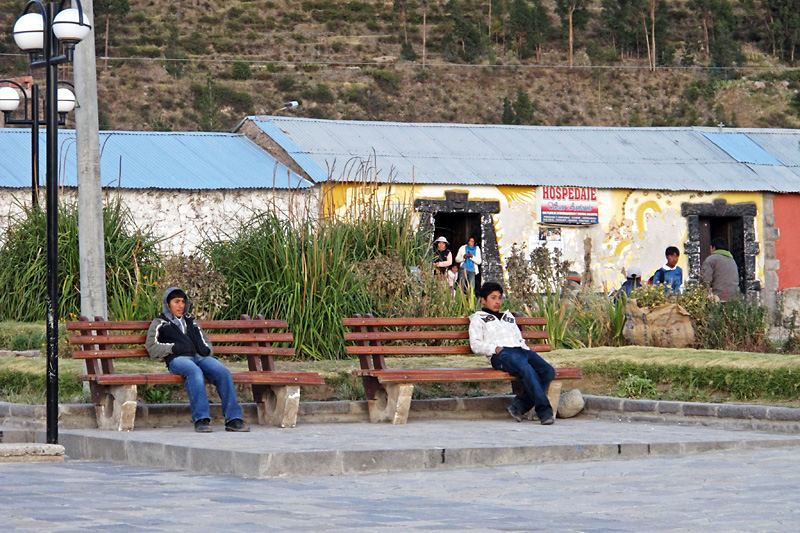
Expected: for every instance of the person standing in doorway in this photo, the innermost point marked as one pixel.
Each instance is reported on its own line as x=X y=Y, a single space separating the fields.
x=469 y=257
x=444 y=257
x=720 y=271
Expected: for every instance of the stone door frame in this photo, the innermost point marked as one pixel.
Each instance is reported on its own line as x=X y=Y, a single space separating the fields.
x=721 y=208
x=458 y=202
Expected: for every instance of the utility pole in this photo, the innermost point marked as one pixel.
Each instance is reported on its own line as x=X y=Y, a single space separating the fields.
x=91 y=239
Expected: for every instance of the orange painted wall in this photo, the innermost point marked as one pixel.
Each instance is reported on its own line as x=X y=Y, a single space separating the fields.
x=787 y=247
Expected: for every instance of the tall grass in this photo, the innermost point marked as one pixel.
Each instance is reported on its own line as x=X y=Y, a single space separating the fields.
x=131 y=262
x=308 y=270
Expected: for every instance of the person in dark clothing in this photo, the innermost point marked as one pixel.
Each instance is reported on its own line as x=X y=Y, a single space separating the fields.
x=720 y=271
x=444 y=257
x=182 y=344
x=633 y=281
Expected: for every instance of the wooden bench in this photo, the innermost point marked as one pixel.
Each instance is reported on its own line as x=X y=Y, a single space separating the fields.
x=389 y=390
x=277 y=394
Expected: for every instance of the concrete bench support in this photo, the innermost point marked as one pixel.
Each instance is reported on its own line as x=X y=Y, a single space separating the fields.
x=391 y=404
x=278 y=406
x=117 y=410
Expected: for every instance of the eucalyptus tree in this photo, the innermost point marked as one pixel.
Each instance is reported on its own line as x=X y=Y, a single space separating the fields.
x=574 y=15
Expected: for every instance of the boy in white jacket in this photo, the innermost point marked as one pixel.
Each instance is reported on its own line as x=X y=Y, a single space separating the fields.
x=497 y=336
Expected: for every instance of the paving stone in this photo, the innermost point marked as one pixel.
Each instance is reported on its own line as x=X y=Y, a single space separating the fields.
x=716 y=491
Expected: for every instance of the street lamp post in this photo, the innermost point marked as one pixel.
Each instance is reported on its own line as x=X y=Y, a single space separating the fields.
x=10 y=101
x=43 y=34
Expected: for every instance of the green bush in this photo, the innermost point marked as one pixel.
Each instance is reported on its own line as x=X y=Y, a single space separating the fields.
x=388 y=82
x=131 y=261
x=634 y=386
x=738 y=324
x=32 y=387
x=740 y=383
x=311 y=272
x=407 y=52
x=241 y=70
x=286 y=83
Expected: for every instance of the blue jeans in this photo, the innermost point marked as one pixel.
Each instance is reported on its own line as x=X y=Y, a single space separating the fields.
x=535 y=374
x=195 y=369
x=467 y=278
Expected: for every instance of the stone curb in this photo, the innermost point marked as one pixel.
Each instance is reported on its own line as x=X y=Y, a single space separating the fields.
x=31 y=453
x=81 y=416
x=689 y=409
x=335 y=462
x=760 y=417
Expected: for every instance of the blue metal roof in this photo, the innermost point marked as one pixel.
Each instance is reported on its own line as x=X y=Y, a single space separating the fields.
x=742 y=148
x=695 y=159
x=163 y=160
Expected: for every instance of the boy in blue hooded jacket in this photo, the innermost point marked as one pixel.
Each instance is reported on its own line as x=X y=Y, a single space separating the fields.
x=182 y=344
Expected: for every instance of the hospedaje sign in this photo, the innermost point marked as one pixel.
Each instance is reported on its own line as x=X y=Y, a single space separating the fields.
x=566 y=205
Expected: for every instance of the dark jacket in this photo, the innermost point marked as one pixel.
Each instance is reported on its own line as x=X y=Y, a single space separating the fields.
x=166 y=341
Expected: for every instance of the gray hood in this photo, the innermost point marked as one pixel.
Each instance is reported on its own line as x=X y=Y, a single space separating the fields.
x=165 y=305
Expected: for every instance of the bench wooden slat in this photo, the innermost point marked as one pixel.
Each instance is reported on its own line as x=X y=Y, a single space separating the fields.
x=424 y=321
x=84 y=325
x=139 y=338
x=260 y=378
x=142 y=352
x=425 y=350
x=274 y=377
x=455 y=374
x=425 y=335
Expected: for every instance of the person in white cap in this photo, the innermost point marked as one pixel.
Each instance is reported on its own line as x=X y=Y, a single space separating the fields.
x=634 y=281
x=444 y=257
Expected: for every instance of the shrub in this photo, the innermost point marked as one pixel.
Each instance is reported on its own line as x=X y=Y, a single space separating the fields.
x=312 y=272
x=407 y=52
x=206 y=287
x=320 y=94
x=241 y=70
x=131 y=262
x=634 y=386
x=285 y=83
x=388 y=82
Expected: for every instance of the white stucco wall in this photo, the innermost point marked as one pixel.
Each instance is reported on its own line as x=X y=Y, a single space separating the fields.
x=183 y=218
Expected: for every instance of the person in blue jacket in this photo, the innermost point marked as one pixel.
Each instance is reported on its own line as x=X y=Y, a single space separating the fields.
x=670 y=275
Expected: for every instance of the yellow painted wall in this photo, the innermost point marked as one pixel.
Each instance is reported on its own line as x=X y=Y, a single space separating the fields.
x=635 y=228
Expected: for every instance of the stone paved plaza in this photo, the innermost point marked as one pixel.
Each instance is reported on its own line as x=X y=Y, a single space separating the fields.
x=716 y=491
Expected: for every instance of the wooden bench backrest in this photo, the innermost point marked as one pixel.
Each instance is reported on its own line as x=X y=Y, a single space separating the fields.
x=102 y=341
x=369 y=334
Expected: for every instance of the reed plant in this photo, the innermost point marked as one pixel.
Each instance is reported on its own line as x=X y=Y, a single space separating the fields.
x=307 y=270
x=131 y=264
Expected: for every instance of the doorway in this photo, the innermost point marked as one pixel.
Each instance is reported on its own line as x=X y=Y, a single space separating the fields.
x=735 y=223
x=732 y=230
x=457 y=228
x=458 y=218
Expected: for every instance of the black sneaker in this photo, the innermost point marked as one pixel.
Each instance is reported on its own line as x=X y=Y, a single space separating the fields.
x=515 y=414
x=548 y=420
x=203 y=426
x=236 y=425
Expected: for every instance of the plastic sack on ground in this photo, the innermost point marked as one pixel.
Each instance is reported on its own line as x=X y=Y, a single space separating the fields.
x=667 y=325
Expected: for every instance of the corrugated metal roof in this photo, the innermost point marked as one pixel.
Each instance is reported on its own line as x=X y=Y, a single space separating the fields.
x=742 y=148
x=462 y=154
x=162 y=160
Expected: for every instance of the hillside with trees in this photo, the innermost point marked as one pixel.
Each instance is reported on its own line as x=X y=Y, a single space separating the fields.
x=203 y=65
